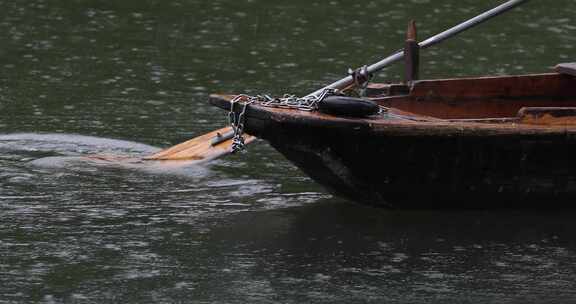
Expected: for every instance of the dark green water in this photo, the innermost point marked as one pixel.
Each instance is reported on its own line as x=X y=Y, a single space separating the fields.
x=124 y=77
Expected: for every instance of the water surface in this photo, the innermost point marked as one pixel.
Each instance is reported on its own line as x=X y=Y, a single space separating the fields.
x=128 y=77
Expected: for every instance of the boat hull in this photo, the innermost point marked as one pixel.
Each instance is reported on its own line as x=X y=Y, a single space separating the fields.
x=416 y=161
x=404 y=166
x=431 y=171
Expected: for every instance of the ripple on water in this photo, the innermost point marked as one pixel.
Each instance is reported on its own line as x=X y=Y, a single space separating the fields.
x=80 y=231
x=70 y=143
x=69 y=151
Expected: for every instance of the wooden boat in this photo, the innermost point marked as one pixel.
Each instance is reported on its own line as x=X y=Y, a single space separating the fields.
x=503 y=141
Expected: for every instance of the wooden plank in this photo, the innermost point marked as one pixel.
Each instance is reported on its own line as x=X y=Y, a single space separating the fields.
x=483 y=97
x=551 y=116
x=535 y=85
x=498 y=86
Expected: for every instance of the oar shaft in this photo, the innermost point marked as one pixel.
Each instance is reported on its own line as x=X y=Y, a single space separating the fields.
x=346 y=81
x=470 y=23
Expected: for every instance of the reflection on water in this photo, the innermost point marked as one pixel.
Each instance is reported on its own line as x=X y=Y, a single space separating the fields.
x=133 y=248
x=247 y=228
x=342 y=253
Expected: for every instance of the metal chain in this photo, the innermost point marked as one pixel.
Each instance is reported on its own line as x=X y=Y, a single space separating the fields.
x=237 y=123
x=308 y=103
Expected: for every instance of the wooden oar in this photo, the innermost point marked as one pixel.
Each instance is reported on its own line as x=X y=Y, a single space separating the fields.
x=203 y=147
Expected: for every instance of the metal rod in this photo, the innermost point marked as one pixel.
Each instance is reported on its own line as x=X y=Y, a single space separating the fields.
x=346 y=81
x=221 y=137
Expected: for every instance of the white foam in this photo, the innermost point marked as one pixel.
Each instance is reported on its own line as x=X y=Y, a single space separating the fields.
x=77 y=153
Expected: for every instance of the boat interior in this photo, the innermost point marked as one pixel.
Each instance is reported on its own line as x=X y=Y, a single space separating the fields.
x=541 y=99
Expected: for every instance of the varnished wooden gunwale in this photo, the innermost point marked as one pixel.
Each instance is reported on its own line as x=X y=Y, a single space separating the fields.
x=482 y=97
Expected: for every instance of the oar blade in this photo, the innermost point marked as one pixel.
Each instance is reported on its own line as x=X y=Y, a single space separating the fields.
x=204 y=147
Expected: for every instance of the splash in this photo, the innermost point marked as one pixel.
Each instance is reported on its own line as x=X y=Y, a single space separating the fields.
x=71 y=144
x=69 y=151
